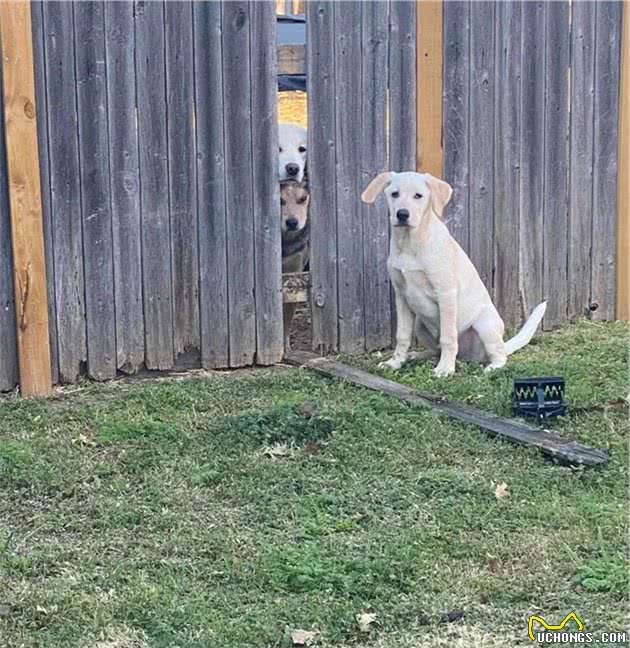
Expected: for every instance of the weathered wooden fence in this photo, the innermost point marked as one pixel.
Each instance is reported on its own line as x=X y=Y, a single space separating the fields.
x=531 y=101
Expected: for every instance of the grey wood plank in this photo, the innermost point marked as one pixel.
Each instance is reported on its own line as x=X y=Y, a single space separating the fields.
x=350 y=284
x=182 y=179
x=456 y=110
x=124 y=184
x=556 y=163
x=238 y=181
x=266 y=198
x=402 y=85
x=373 y=141
x=581 y=160
x=321 y=36
x=209 y=109
x=65 y=189
x=9 y=372
x=481 y=129
x=156 y=253
x=514 y=431
x=89 y=31
x=532 y=187
x=507 y=158
x=606 y=120
x=39 y=63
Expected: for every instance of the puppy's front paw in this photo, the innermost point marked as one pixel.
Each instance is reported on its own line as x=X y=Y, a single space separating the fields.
x=444 y=369
x=393 y=363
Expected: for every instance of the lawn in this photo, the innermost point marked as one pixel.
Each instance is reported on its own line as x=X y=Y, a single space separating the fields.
x=230 y=509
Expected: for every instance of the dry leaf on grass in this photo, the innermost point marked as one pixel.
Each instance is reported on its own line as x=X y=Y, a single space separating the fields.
x=501 y=491
x=302 y=637
x=365 y=621
x=277 y=450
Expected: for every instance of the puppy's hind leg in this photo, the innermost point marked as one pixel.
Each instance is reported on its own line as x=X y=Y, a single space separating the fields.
x=432 y=349
x=489 y=326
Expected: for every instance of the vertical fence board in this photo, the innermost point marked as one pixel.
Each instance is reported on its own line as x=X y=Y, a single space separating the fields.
x=532 y=155
x=124 y=184
x=481 y=149
x=373 y=141
x=349 y=221
x=581 y=161
x=456 y=110
x=65 y=191
x=267 y=238
x=209 y=107
x=557 y=48
x=156 y=253
x=623 y=170
x=507 y=157
x=238 y=182
x=37 y=22
x=320 y=24
x=94 y=174
x=607 y=70
x=182 y=180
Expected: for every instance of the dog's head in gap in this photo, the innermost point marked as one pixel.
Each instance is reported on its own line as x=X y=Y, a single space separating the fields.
x=292 y=153
x=411 y=196
x=294 y=200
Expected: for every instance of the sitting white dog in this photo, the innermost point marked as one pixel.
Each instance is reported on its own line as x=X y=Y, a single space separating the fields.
x=292 y=154
x=436 y=283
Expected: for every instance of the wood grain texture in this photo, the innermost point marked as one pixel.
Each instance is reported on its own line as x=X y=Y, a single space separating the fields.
x=98 y=264
x=209 y=109
x=22 y=157
x=152 y=125
x=623 y=183
x=320 y=23
x=457 y=135
x=373 y=152
x=266 y=198
x=37 y=24
x=481 y=146
x=124 y=184
x=350 y=284
x=555 y=228
x=63 y=153
x=507 y=158
x=606 y=120
x=581 y=160
x=181 y=173
x=238 y=181
x=532 y=188
x=429 y=81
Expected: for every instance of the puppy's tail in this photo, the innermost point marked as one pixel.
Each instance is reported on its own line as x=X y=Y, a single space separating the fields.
x=528 y=330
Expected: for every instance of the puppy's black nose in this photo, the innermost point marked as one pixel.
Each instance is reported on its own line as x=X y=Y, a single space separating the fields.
x=402 y=215
x=292 y=169
x=291 y=223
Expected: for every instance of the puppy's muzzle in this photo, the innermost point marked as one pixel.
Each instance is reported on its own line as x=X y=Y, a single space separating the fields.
x=292 y=224
x=292 y=169
x=403 y=216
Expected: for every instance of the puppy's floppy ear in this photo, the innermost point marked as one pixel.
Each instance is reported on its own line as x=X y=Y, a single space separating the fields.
x=376 y=186
x=441 y=193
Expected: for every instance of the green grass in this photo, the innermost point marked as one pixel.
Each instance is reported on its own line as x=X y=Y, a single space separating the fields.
x=227 y=510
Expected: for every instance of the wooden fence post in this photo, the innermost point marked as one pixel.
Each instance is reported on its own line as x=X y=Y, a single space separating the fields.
x=429 y=151
x=29 y=265
x=623 y=176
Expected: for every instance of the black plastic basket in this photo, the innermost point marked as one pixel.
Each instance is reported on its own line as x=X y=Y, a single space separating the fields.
x=541 y=397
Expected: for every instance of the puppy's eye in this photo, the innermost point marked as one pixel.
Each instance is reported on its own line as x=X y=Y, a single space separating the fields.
x=395 y=194
x=301 y=200
x=418 y=196
x=302 y=149
x=283 y=202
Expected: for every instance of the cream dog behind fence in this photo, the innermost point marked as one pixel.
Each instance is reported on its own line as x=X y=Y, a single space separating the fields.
x=439 y=294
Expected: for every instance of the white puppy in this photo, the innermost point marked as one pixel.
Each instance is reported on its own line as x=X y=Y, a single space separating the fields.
x=292 y=158
x=436 y=283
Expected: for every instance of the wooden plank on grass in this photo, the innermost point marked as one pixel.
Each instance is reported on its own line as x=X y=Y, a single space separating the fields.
x=581 y=162
x=211 y=196
x=124 y=184
x=63 y=152
x=266 y=199
x=181 y=173
x=152 y=124
x=27 y=232
x=98 y=264
x=456 y=116
x=350 y=284
x=515 y=431
x=623 y=187
x=321 y=37
x=373 y=152
x=507 y=158
x=606 y=119
x=481 y=173
x=532 y=188
x=238 y=181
